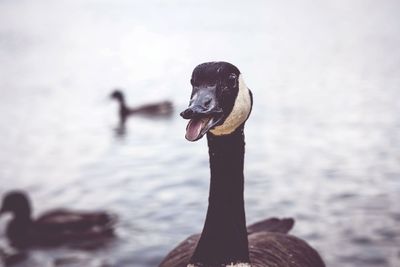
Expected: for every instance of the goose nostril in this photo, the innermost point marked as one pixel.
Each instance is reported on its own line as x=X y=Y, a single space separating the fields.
x=207 y=103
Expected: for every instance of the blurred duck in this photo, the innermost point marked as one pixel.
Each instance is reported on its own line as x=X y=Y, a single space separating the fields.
x=219 y=107
x=54 y=227
x=164 y=108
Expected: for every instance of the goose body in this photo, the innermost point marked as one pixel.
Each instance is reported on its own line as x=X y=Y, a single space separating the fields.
x=163 y=108
x=53 y=227
x=270 y=234
x=219 y=107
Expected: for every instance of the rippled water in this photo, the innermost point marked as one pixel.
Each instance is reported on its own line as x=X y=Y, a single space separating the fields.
x=323 y=142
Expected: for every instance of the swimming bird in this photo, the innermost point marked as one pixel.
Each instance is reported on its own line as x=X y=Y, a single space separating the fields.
x=219 y=106
x=163 y=108
x=53 y=227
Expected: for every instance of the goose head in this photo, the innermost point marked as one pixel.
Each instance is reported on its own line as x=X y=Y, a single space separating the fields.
x=220 y=101
x=117 y=95
x=17 y=203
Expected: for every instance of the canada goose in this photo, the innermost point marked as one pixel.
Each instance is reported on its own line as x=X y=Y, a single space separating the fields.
x=54 y=227
x=164 y=108
x=219 y=106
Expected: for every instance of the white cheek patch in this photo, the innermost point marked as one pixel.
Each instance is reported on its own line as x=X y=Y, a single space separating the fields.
x=240 y=112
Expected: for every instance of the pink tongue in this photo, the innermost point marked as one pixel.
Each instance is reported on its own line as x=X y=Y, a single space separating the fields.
x=193 y=129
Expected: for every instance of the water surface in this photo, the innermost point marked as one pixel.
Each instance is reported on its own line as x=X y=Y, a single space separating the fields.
x=323 y=142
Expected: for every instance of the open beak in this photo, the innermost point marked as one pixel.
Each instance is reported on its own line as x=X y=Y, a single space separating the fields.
x=203 y=112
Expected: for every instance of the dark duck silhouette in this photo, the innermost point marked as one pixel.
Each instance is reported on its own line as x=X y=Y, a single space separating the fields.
x=55 y=227
x=219 y=107
x=164 y=108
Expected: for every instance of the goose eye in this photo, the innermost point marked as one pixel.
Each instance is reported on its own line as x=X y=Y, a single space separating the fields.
x=232 y=80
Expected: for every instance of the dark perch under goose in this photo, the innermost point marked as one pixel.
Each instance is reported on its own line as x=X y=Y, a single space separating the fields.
x=219 y=107
x=164 y=108
x=54 y=227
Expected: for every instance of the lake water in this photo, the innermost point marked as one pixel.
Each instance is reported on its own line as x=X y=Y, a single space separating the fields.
x=323 y=141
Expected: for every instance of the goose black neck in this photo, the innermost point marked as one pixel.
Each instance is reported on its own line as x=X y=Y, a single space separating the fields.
x=123 y=109
x=224 y=237
x=18 y=228
x=21 y=209
x=18 y=231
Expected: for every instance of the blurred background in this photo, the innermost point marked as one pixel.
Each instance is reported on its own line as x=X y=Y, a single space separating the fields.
x=323 y=142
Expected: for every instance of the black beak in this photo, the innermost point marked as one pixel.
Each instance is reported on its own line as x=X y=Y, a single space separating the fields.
x=203 y=103
x=203 y=112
